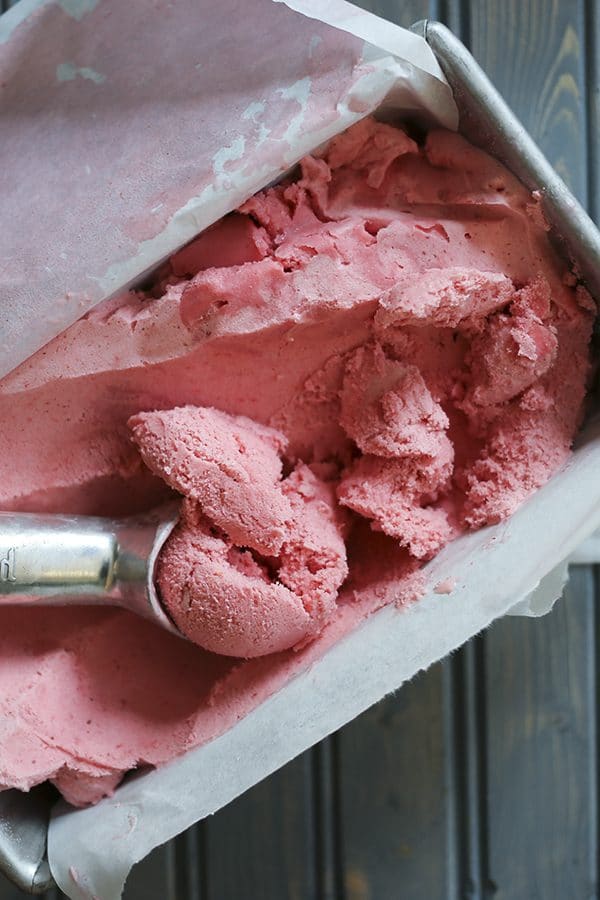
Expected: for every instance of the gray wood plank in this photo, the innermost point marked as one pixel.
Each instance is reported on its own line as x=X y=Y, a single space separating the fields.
x=540 y=681
x=456 y=15
x=398 y=830
x=403 y=12
x=592 y=82
x=262 y=845
x=154 y=877
x=534 y=53
x=539 y=735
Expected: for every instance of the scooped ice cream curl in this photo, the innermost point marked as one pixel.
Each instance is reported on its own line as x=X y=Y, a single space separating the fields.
x=256 y=560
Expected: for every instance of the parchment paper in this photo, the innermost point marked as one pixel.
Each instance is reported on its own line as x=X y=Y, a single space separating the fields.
x=153 y=125
x=127 y=128
x=587 y=553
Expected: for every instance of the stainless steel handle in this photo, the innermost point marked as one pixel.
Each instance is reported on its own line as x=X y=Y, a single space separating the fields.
x=75 y=560
x=56 y=556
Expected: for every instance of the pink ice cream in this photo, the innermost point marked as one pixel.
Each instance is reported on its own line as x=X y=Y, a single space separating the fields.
x=356 y=367
x=277 y=588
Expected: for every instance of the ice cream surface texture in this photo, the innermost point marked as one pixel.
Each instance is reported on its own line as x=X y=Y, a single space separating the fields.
x=218 y=592
x=360 y=364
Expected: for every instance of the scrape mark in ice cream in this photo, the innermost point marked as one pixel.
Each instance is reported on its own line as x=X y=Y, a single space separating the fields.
x=69 y=72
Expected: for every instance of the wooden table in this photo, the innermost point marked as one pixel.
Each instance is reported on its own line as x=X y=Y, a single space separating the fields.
x=480 y=778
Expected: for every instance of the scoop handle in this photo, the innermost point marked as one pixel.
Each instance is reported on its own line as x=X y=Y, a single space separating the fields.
x=79 y=560
x=44 y=557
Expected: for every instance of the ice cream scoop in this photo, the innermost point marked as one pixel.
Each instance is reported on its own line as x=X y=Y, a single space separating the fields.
x=78 y=560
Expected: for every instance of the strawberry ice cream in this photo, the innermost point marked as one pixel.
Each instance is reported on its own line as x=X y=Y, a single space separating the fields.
x=359 y=365
x=223 y=596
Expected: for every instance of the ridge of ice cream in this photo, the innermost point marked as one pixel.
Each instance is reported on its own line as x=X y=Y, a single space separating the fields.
x=396 y=342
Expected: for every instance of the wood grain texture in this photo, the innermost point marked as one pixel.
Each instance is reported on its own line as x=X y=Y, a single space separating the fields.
x=397 y=828
x=592 y=82
x=540 y=731
x=262 y=845
x=403 y=12
x=156 y=877
x=541 y=751
x=534 y=53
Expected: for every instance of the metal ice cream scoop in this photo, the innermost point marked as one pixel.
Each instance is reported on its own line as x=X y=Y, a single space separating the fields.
x=48 y=560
